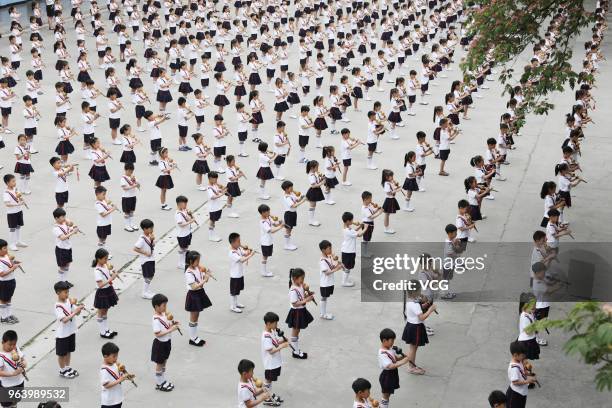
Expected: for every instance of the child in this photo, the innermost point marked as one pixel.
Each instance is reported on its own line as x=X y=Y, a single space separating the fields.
x=349 y=246
x=145 y=247
x=104 y=208
x=282 y=147
x=196 y=276
x=267 y=226
x=11 y=372
x=243 y=119
x=272 y=342
x=233 y=189
x=532 y=348
x=249 y=395
x=164 y=181
x=369 y=211
x=291 y=200
x=264 y=173
x=389 y=361
x=361 y=388
x=111 y=378
x=410 y=183
x=554 y=231
x=464 y=222
x=184 y=113
x=390 y=206
x=183 y=219
x=13 y=201
x=331 y=165
x=66 y=310
x=155 y=136
x=328 y=265
x=63 y=230
x=129 y=143
x=162 y=343
x=346 y=146
x=98 y=155
x=23 y=167
x=215 y=204
x=220 y=132
x=61 y=173
x=497 y=399
x=298 y=317
x=423 y=149
x=129 y=184
x=239 y=256
x=106 y=297
x=374 y=132
x=8 y=264
x=446 y=137
x=415 y=333
x=305 y=130
x=516 y=395
x=314 y=193
x=453 y=247
x=200 y=165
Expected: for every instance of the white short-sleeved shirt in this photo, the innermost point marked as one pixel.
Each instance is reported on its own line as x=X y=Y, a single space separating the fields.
x=386 y=357
x=102 y=220
x=420 y=154
x=349 y=241
x=549 y=203
x=471 y=197
x=246 y=392
x=413 y=310
x=154 y=131
x=112 y=395
x=58 y=231
x=444 y=139
x=372 y=137
x=127 y=182
x=61 y=181
x=516 y=372
x=303 y=122
x=268 y=342
x=540 y=291
x=160 y=323
x=10 y=197
x=551 y=240
x=62 y=310
x=288 y=201
x=236 y=267
x=296 y=293
x=182 y=217
x=326 y=264
x=564 y=183
x=102 y=274
x=345 y=149
x=147 y=245
x=214 y=203
x=8 y=365
x=5 y=264
x=265 y=236
x=461 y=222
x=192 y=276
x=525 y=320
x=366 y=213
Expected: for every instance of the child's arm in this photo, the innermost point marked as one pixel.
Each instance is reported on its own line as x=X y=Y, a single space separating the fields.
x=111 y=384
x=428 y=313
x=245 y=258
x=277 y=228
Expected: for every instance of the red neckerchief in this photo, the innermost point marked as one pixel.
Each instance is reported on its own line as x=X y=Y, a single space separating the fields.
x=62 y=229
x=13 y=196
x=163 y=323
x=248 y=386
x=149 y=243
x=194 y=275
x=107 y=277
x=103 y=205
x=298 y=293
x=8 y=264
x=390 y=355
x=520 y=368
x=62 y=176
x=329 y=264
x=9 y=361
x=274 y=341
x=129 y=180
x=60 y=306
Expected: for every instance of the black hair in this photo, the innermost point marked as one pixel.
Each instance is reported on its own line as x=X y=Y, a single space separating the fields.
x=517 y=347
x=497 y=397
x=181 y=199
x=463 y=204
x=59 y=212
x=538 y=235
x=244 y=366
x=387 y=334
x=263 y=208
x=360 y=384
x=128 y=166
x=233 y=237
x=7 y=178
x=366 y=194
x=553 y=213
x=146 y=223
x=9 y=335
x=295 y=273
x=347 y=216
x=109 y=349
x=286 y=184
x=100 y=253
x=450 y=228
x=271 y=317
x=159 y=300
x=324 y=244
x=100 y=189
x=60 y=286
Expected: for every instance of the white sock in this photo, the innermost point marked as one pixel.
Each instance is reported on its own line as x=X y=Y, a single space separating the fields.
x=369 y=162
x=126 y=220
x=407 y=202
x=287 y=239
x=145 y=286
x=241 y=146
x=105 y=323
x=323 y=306
x=3 y=311
x=264 y=268
x=302 y=155
x=159 y=377
x=18 y=234
x=193 y=330
x=61 y=275
x=233 y=301
x=101 y=325
x=311 y=214
x=295 y=343
x=329 y=195
x=211 y=232
x=12 y=236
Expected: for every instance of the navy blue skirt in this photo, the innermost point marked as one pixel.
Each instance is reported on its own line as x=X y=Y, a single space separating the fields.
x=197 y=300
x=23 y=168
x=298 y=318
x=415 y=334
x=99 y=174
x=105 y=298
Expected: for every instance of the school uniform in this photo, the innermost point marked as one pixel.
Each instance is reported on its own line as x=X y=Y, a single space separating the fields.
x=389 y=377
x=390 y=205
x=516 y=395
x=410 y=183
x=215 y=204
x=105 y=297
x=147 y=262
x=7 y=282
x=195 y=300
x=14 y=214
x=127 y=155
x=314 y=194
x=529 y=340
x=349 y=247
x=236 y=271
x=163 y=92
x=551 y=240
x=103 y=222
x=15 y=382
x=219 y=147
x=564 y=184
x=320 y=123
x=549 y=203
x=444 y=147
x=233 y=189
x=162 y=345
x=290 y=215
x=272 y=362
x=326 y=281
x=65 y=333
x=61 y=187
x=111 y=397
x=164 y=180
x=265 y=237
x=414 y=331
x=298 y=317
x=23 y=165
x=63 y=249
x=246 y=392
x=128 y=197
x=183 y=230
x=281 y=100
x=461 y=222
x=264 y=172
x=304 y=131
x=256 y=117
x=331 y=181
x=98 y=171
x=220 y=99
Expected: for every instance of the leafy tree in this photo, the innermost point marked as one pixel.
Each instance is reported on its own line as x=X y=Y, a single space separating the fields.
x=504 y=29
x=591 y=325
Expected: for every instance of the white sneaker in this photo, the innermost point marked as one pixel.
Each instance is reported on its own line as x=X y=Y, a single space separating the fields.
x=542 y=342
x=140 y=129
x=33 y=151
x=500 y=178
x=147 y=295
x=233 y=215
x=484 y=217
x=267 y=275
x=380 y=90
x=264 y=197
x=372 y=167
x=422 y=190
x=214 y=238
x=389 y=231
x=22 y=244
x=408 y=209
x=348 y=283
x=13 y=248
x=293 y=116
x=314 y=223
x=395 y=137
x=470 y=239
x=327 y=316
x=236 y=309
x=330 y=202
x=116 y=142
x=202 y=187
x=281 y=178
x=290 y=247
x=490 y=197
x=347 y=183
x=128 y=228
